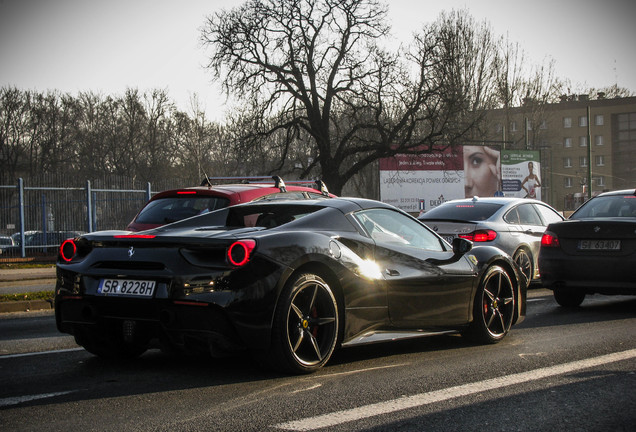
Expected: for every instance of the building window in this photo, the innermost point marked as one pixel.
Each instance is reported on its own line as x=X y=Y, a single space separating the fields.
x=627 y=121
x=583 y=161
x=543 y=125
x=598 y=140
x=600 y=160
x=567 y=162
x=513 y=126
x=567 y=122
x=567 y=182
x=567 y=142
x=498 y=128
x=582 y=141
x=599 y=120
x=583 y=121
x=600 y=181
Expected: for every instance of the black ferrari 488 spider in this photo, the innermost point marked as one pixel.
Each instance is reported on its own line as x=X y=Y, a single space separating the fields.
x=290 y=281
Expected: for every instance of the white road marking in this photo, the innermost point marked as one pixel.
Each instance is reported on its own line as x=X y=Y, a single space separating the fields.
x=532 y=300
x=315 y=386
x=357 y=371
x=7 y=356
x=406 y=402
x=21 y=399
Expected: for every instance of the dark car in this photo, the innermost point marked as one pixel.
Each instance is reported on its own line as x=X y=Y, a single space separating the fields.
x=594 y=251
x=514 y=225
x=177 y=204
x=288 y=281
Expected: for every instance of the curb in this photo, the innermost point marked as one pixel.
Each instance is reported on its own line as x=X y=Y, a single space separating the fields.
x=19 y=275
x=25 y=306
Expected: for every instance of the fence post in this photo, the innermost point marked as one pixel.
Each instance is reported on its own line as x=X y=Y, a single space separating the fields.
x=148 y=191
x=45 y=228
x=89 y=206
x=21 y=205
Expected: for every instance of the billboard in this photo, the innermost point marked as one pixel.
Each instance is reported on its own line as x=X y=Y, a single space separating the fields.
x=417 y=183
x=520 y=173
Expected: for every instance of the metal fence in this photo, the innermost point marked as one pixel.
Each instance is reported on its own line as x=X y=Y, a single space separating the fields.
x=37 y=218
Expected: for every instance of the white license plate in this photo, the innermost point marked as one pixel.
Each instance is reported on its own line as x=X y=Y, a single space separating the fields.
x=599 y=244
x=448 y=238
x=126 y=288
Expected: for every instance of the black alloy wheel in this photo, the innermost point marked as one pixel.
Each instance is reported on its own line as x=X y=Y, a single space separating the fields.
x=494 y=307
x=306 y=325
x=524 y=261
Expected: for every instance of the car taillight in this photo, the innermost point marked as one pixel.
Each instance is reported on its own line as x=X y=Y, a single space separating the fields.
x=68 y=249
x=480 y=236
x=239 y=252
x=550 y=240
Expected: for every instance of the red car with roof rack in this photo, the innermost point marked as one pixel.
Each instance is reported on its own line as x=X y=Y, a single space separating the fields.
x=177 y=204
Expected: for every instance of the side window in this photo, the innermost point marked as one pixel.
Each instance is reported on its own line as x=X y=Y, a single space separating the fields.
x=528 y=215
x=512 y=217
x=391 y=227
x=548 y=215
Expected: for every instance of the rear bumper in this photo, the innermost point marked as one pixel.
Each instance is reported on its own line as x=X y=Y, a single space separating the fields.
x=603 y=275
x=196 y=327
x=225 y=319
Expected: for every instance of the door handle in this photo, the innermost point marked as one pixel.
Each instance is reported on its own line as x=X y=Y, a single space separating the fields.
x=392 y=272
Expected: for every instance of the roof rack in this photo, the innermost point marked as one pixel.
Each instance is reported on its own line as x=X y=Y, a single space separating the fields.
x=318 y=184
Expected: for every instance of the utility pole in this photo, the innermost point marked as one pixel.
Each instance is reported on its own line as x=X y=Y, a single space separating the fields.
x=589 y=154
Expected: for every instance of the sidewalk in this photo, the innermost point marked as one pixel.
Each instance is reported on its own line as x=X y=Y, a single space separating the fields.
x=18 y=281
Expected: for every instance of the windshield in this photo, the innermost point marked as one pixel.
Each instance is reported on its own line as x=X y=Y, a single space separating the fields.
x=466 y=211
x=607 y=206
x=172 y=209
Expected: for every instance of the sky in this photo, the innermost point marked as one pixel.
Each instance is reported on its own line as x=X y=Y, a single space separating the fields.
x=107 y=46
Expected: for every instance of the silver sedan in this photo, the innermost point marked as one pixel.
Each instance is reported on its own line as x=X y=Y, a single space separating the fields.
x=514 y=225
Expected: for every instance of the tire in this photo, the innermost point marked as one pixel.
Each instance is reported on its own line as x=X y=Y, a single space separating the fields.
x=306 y=325
x=523 y=258
x=108 y=343
x=568 y=297
x=493 y=308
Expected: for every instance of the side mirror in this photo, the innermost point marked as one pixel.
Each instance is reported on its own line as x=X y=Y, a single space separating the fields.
x=461 y=246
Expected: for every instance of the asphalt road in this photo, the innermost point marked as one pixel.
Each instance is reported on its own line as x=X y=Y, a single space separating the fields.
x=558 y=370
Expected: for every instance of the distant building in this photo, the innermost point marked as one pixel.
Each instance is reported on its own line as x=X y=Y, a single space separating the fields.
x=560 y=132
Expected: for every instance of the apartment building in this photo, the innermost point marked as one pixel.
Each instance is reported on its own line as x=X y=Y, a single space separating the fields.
x=575 y=137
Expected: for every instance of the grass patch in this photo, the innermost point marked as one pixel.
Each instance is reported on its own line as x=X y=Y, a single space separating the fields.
x=40 y=295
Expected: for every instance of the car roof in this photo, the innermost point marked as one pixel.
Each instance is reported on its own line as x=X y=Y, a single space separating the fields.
x=495 y=200
x=346 y=204
x=247 y=191
x=619 y=192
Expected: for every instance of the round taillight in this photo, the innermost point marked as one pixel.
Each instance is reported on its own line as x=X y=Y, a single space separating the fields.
x=68 y=249
x=239 y=252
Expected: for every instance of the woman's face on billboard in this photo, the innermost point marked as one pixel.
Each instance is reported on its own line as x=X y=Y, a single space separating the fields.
x=481 y=171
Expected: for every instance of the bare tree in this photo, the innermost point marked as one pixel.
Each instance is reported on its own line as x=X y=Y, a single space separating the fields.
x=315 y=70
